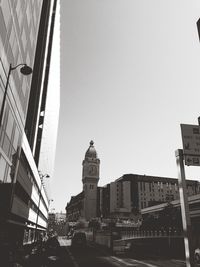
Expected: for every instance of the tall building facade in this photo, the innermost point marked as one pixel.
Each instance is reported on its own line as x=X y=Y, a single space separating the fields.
x=26 y=37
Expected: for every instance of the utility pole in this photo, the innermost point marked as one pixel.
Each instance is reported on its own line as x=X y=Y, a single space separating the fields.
x=184 y=209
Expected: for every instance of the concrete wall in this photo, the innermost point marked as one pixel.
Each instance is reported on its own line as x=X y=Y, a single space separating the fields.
x=102 y=238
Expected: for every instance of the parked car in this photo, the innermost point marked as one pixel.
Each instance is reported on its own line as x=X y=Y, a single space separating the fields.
x=79 y=239
x=197 y=255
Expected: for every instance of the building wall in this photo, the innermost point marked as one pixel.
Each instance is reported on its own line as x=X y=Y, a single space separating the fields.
x=18 y=35
x=120 y=197
x=74 y=209
x=20 y=181
x=90 y=199
x=52 y=108
x=105 y=201
x=158 y=191
x=131 y=193
x=127 y=196
x=113 y=197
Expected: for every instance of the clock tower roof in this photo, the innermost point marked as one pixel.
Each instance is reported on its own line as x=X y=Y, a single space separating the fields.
x=91 y=152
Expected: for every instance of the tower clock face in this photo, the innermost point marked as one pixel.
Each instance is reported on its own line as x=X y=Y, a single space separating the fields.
x=92 y=170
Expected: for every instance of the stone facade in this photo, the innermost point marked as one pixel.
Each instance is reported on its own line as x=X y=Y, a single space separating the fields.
x=84 y=205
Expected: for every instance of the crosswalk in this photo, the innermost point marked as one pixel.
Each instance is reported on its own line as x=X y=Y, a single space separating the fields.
x=116 y=261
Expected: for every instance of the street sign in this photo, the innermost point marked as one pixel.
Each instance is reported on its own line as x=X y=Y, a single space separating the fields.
x=191 y=139
x=192 y=160
x=191 y=144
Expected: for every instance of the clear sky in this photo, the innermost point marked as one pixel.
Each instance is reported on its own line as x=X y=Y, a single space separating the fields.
x=130 y=74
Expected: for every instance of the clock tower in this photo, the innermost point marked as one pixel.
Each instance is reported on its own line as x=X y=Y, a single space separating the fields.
x=90 y=178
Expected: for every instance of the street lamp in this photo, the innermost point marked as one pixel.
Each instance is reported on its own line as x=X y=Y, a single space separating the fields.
x=40 y=195
x=50 y=200
x=25 y=70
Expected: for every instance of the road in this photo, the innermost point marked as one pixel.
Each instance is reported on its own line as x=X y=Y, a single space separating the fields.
x=92 y=256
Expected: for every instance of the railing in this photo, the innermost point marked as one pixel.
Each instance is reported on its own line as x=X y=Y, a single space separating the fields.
x=150 y=234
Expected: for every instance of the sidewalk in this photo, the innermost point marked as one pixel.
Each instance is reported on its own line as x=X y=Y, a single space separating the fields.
x=40 y=258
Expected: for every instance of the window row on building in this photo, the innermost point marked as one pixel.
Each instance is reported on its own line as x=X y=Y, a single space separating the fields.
x=127 y=196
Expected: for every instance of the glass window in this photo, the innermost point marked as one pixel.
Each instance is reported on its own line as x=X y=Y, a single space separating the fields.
x=28 y=60
x=19 y=10
x=12 y=36
x=16 y=139
x=24 y=85
x=10 y=122
x=35 y=17
x=2 y=168
x=10 y=175
x=18 y=7
x=1 y=43
x=10 y=54
x=24 y=40
x=3 y=31
x=6 y=144
x=32 y=37
x=6 y=12
x=1 y=94
x=15 y=50
x=141 y=186
x=5 y=63
x=28 y=14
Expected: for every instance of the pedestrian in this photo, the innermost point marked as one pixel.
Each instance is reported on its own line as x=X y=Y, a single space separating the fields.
x=52 y=244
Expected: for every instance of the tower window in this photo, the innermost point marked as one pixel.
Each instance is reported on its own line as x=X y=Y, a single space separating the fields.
x=91 y=186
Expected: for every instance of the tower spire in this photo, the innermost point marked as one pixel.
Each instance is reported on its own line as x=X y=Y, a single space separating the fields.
x=91 y=151
x=91 y=143
x=90 y=178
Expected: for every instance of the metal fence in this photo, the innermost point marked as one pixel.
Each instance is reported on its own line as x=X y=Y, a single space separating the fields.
x=130 y=234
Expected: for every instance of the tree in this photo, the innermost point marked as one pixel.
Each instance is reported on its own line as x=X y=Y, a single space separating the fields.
x=170 y=217
x=94 y=224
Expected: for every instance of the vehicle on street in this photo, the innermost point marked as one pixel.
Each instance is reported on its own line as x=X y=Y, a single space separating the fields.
x=52 y=246
x=79 y=239
x=69 y=236
x=197 y=255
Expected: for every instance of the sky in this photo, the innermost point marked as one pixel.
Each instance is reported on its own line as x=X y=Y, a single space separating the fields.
x=130 y=75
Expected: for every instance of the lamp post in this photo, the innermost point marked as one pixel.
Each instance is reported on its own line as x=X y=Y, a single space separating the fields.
x=25 y=70
x=50 y=200
x=40 y=195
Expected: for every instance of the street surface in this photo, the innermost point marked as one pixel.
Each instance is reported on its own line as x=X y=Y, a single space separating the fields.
x=94 y=256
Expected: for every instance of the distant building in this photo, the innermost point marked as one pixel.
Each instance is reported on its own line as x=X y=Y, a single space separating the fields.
x=74 y=209
x=57 y=223
x=60 y=217
x=130 y=193
x=123 y=198
x=51 y=221
x=84 y=205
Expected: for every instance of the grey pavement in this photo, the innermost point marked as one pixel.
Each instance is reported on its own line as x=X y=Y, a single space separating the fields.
x=94 y=256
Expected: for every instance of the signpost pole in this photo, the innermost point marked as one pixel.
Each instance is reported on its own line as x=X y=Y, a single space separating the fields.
x=184 y=209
